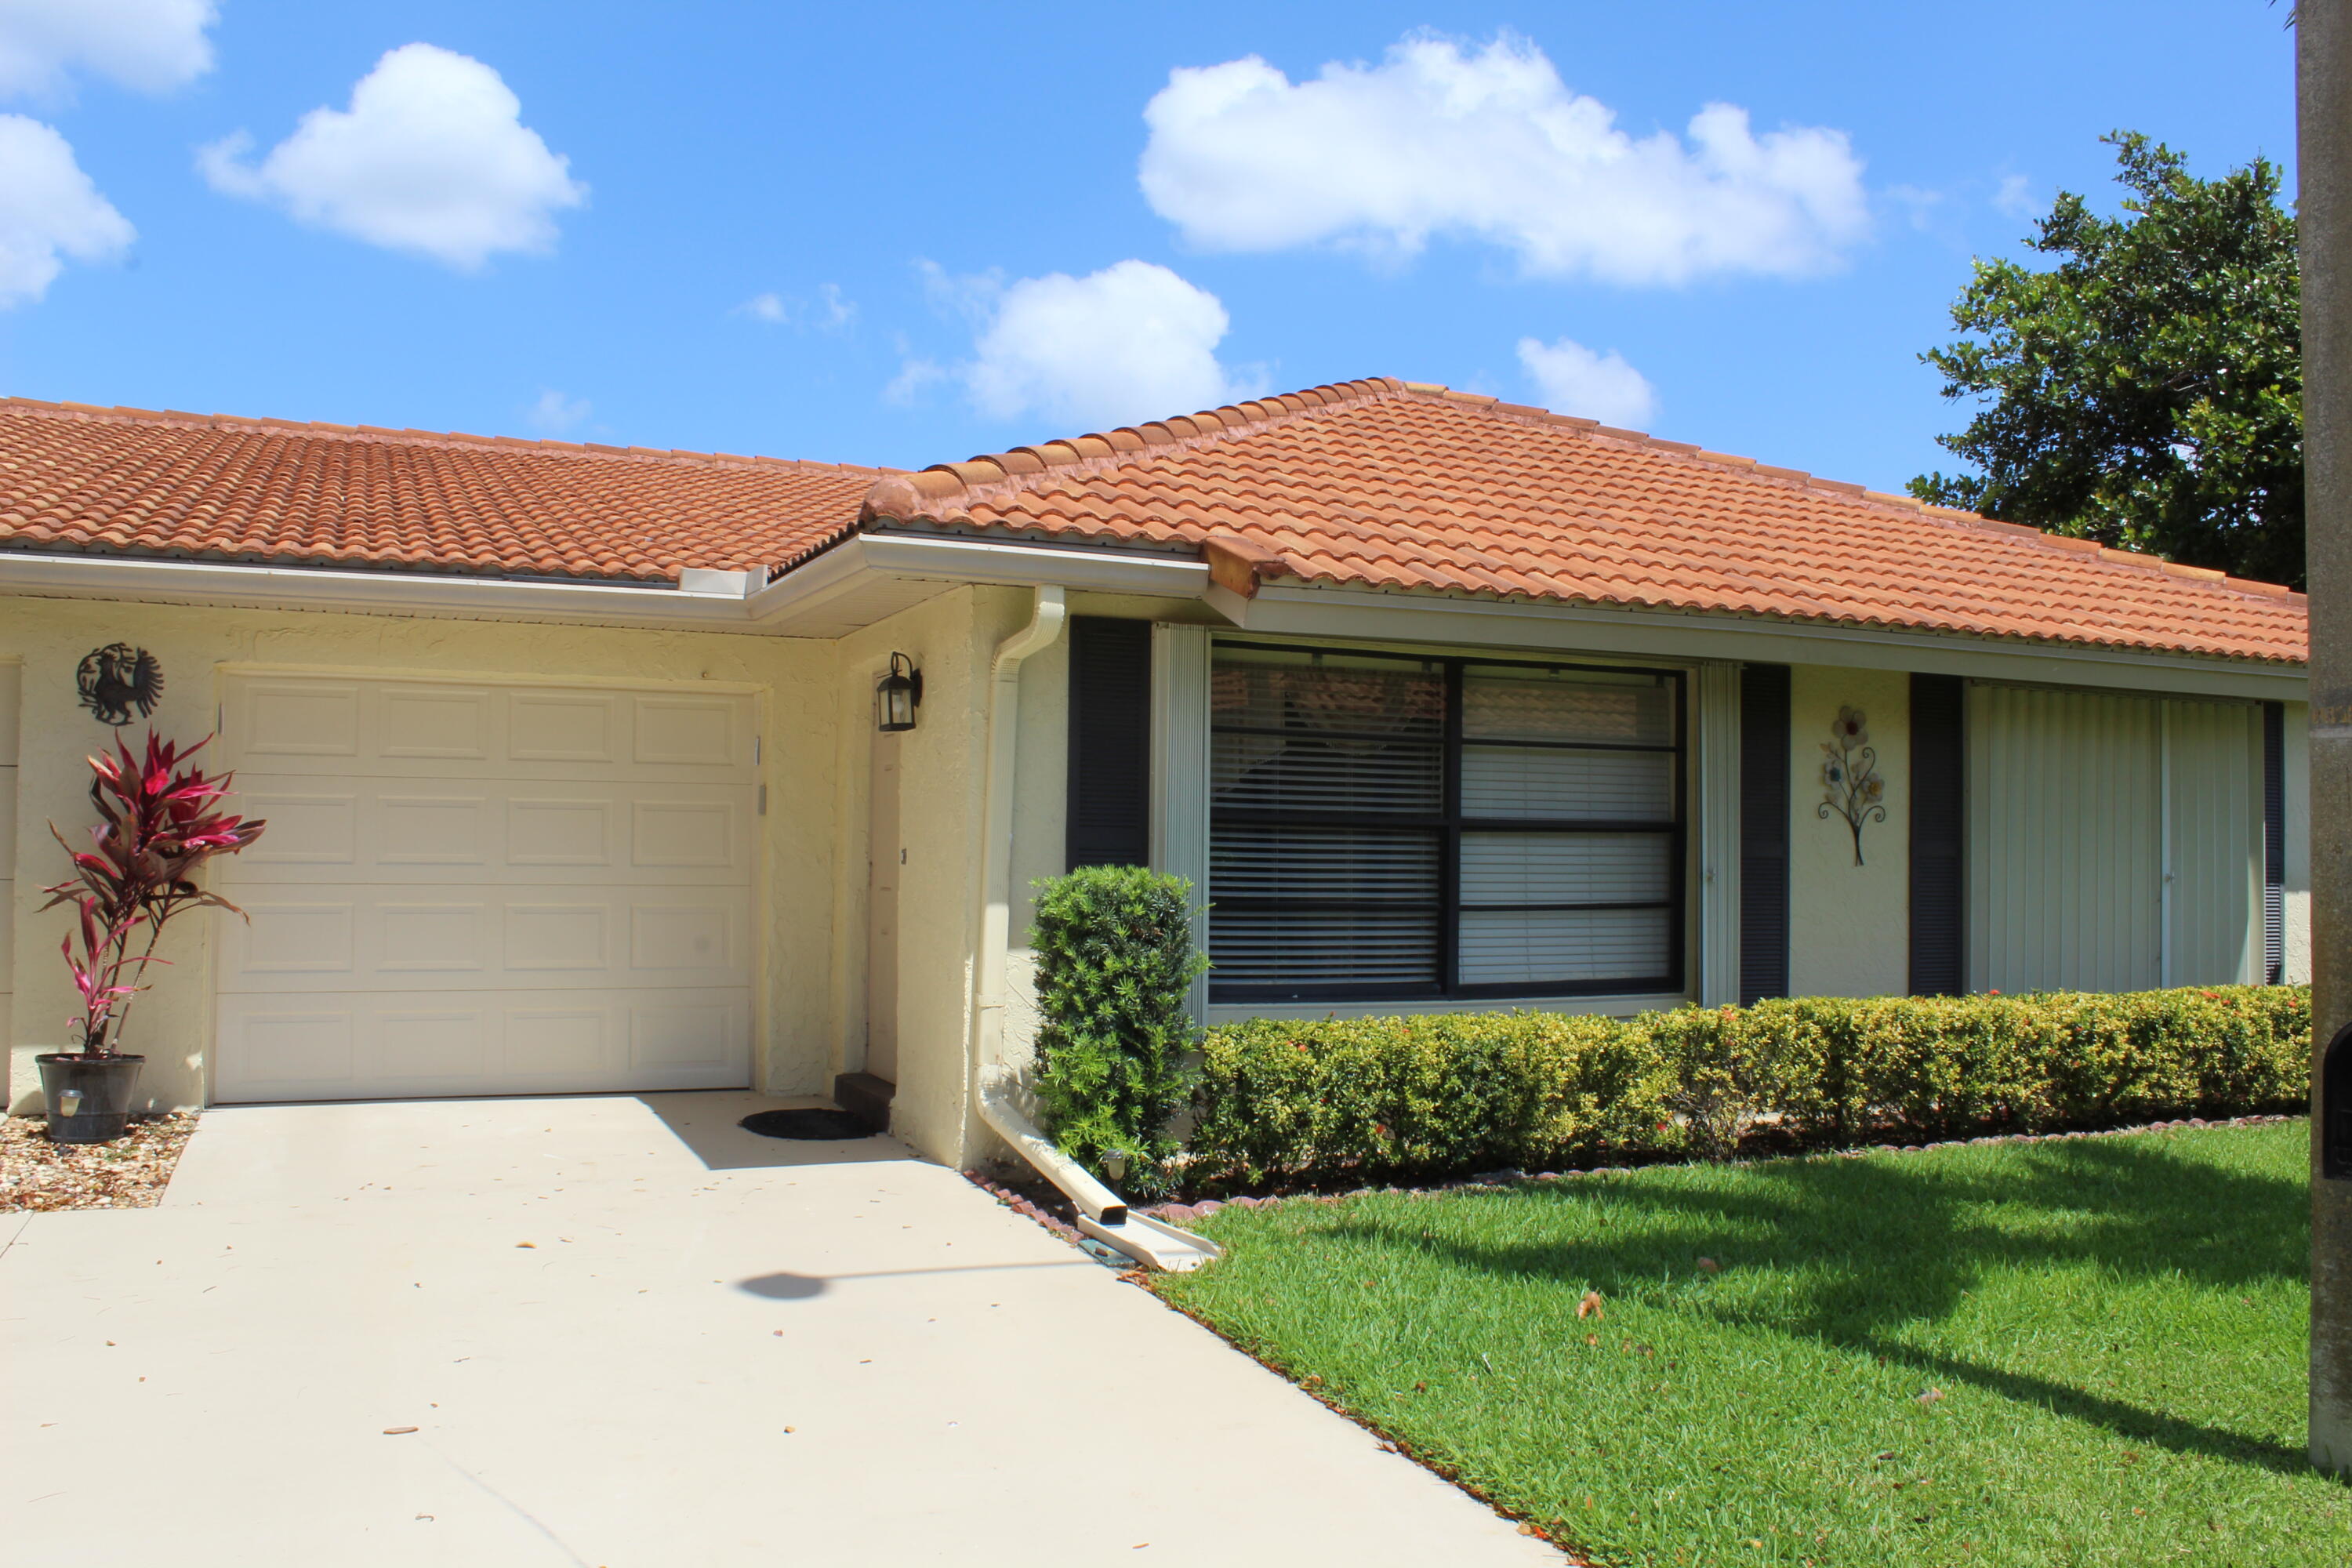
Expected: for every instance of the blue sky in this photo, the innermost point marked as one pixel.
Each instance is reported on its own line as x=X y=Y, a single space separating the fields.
x=834 y=231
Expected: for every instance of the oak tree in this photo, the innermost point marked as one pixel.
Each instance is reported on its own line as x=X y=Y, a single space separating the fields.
x=2145 y=387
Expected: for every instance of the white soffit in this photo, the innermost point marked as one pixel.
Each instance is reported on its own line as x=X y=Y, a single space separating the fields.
x=872 y=576
x=1354 y=613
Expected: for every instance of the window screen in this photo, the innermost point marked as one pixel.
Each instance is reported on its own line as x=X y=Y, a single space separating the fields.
x=1385 y=826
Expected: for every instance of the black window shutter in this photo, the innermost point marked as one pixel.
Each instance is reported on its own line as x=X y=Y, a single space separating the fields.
x=1763 y=832
x=2274 y=842
x=1939 y=858
x=1109 y=821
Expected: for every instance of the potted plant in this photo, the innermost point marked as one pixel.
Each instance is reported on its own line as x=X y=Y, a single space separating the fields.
x=160 y=827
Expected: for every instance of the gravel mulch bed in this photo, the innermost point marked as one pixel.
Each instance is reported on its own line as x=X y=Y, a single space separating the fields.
x=1033 y=1198
x=128 y=1173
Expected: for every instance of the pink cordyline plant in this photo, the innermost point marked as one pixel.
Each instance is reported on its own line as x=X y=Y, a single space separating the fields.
x=161 y=826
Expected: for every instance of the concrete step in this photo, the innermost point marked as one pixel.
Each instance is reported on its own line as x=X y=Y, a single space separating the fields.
x=866 y=1097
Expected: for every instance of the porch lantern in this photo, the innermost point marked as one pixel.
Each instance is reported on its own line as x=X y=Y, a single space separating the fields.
x=896 y=696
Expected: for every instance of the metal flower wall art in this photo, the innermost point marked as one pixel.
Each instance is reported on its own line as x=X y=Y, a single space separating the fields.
x=1851 y=785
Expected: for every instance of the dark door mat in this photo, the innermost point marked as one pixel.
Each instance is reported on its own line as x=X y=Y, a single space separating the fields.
x=821 y=1125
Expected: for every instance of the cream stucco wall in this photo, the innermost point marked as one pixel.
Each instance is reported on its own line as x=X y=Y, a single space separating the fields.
x=795 y=681
x=938 y=812
x=1040 y=827
x=953 y=639
x=1849 y=926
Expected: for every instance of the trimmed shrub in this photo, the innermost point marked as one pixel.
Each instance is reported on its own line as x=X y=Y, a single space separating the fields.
x=1358 y=1099
x=1115 y=959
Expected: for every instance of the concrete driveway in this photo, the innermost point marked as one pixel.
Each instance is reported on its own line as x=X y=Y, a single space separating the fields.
x=630 y=1336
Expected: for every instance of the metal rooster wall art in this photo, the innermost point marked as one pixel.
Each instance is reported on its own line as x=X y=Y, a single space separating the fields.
x=118 y=681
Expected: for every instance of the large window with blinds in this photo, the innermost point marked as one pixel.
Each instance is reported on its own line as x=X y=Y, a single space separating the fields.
x=1386 y=826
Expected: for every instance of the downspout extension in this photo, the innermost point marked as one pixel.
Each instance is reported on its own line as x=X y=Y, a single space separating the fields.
x=1102 y=1214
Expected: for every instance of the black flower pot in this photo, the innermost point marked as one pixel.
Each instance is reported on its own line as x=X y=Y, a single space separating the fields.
x=88 y=1098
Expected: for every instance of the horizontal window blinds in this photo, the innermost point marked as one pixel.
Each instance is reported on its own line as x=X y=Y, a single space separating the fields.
x=1396 y=826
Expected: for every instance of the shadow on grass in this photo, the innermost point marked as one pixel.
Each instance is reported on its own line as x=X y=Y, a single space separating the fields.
x=1886 y=1243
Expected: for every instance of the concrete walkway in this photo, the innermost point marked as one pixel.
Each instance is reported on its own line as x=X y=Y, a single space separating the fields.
x=630 y=1336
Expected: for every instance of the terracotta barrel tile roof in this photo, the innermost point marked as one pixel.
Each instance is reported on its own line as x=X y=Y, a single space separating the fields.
x=134 y=482
x=1408 y=486
x=1381 y=483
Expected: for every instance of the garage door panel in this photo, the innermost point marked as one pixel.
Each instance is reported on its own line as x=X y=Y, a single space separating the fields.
x=442 y=724
x=298 y=721
x=498 y=831
x=417 y=1045
x=431 y=830
x=548 y=830
x=544 y=937
x=564 y=727
x=435 y=937
x=686 y=731
x=463 y=730
x=308 y=826
x=499 y=938
x=669 y=833
x=439 y=1043
x=287 y=1044
x=281 y=937
x=681 y=1035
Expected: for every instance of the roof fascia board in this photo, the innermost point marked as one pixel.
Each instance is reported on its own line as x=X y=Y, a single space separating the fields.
x=1341 y=613
x=81 y=576
x=799 y=597
x=1089 y=567
x=812 y=591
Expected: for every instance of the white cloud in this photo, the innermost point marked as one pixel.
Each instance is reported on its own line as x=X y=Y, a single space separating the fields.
x=48 y=210
x=914 y=376
x=2015 y=196
x=149 y=45
x=830 y=312
x=1130 y=342
x=432 y=156
x=1919 y=202
x=1490 y=144
x=555 y=414
x=1572 y=379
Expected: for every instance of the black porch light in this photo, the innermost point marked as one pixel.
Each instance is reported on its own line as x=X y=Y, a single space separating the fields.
x=896 y=696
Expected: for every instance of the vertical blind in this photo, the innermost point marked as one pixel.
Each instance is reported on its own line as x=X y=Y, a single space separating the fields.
x=1388 y=827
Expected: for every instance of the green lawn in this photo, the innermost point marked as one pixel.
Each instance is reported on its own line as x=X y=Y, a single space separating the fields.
x=2116 y=1326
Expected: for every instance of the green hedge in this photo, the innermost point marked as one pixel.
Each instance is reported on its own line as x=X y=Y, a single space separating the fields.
x=1354 y=1099
x=1115 y=964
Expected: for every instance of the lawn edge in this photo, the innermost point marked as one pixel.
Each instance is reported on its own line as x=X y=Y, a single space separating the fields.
x=1539 y=1529
x=1179 y=1214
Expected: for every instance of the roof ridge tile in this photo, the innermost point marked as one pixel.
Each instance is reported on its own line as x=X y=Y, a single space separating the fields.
x=1000 y=476
x=1951 y=516
x=453 y=439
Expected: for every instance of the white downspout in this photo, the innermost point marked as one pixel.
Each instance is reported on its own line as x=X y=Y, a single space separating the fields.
x=1101 y=1212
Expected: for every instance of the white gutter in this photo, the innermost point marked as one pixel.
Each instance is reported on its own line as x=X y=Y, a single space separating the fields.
x=324 y=588
x=1101 y=1212
x=847 y=586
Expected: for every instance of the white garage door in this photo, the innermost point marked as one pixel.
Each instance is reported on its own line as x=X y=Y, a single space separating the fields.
x=486 y=890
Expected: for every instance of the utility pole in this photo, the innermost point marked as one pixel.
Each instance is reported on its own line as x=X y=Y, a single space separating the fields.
x=2324 y=213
